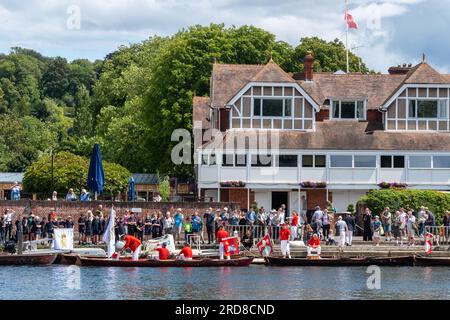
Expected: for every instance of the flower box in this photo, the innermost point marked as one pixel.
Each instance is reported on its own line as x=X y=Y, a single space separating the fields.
x=232 y=184
x=392 y=185
x=313 y=184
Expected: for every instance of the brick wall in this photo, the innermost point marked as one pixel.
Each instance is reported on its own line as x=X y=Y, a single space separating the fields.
x=318 y=197
x=323 y=114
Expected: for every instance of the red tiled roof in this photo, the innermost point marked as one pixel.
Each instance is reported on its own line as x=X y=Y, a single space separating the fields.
x=345 y=135
x=228 y=79
x=200 y=111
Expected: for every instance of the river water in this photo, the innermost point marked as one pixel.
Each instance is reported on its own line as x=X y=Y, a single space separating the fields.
x=254 y=282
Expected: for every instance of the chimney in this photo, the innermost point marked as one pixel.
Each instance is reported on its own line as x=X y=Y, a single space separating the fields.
x=400 y=69
x=308 y=63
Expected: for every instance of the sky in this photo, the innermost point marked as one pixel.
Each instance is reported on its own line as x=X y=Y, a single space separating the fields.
x=391 y=32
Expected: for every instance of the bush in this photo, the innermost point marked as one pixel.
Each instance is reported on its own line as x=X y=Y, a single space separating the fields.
x=66 y=172
x=437 y=202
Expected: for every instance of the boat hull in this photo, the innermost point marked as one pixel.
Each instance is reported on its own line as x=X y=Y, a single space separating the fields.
x=27 y=259
x=95 y=262
x=341 y=262
x=432 y=261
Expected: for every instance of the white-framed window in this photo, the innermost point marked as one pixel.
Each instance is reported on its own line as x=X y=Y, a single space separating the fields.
x=348 y=110
x=272 y=107
x=392 y=162
x=420 y=162
x=341 y=161
x=209 y=159
x=314 y=161
x=441 y=162
x=234 y=160
x=365 y=161
x=427 y=108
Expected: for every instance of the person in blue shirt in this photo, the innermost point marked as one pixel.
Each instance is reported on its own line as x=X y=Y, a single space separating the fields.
x=196 y=224
x=250 y=217
x=15 y=192
x=84 y=196
x=178 y=225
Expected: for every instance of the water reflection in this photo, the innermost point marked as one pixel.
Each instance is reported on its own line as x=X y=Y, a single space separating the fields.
x=255 y=282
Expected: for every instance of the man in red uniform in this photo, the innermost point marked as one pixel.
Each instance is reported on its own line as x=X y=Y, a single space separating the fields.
x=294 y=225
x=185 y=253
x=314 y=245
x=134 y=244
x=284 y=240
x=221 y=234
x=164 y=253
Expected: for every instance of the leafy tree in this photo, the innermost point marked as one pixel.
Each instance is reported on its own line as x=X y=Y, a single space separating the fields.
x=55 y=81
x=66 y=173
x=329 y=56
x=82 y=125
x=183 y=66
x=164 y=187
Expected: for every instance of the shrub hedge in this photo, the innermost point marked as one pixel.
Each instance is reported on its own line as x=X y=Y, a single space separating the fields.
x=438 y=202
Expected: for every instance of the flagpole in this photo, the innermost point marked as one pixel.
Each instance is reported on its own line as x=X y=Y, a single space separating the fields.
x=346 y=32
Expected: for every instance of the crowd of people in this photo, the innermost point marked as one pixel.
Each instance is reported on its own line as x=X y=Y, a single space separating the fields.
x=33 y=227
x=402 y=227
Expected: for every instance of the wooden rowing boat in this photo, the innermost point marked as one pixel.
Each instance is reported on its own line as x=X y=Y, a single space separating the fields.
x=432 y=261
x=341 y=262
x=27 y=259
x=203 y=262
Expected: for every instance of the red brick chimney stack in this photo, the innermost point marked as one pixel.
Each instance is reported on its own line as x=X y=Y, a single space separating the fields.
x=308 y=64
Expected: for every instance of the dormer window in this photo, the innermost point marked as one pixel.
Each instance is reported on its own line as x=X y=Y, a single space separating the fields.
x=272 y=107
x=427 y=109
x=348 y=110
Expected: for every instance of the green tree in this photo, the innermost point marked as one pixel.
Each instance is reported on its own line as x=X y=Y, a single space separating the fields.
x=183 y=66
x=67 y=170
x=82 y=125
x=54 y=82
x=329 y=56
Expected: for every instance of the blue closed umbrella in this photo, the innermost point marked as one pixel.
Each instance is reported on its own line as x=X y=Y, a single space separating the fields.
x=131 y=191
x=96 y=176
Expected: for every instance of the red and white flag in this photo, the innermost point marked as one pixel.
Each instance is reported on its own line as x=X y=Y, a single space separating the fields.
x=351 y=23
x=231 y=246
x=265 y=246
x=428 y=242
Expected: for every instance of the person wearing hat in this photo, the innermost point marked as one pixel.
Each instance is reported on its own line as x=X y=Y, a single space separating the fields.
x=285 y=234
x=132 y=243
x=351 y=226
x=314 y=245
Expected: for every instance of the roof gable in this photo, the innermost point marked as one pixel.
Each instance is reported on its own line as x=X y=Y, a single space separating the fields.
x=423 y=73
x=272 y=73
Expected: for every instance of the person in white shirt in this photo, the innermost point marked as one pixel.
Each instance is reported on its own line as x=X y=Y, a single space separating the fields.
x=410 y=227
x=316 y=221
x=341 y=229
x=168 y=223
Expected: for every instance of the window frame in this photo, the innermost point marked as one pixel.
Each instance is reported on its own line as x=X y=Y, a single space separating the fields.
x=392 y=157
x=261 y=107
x=417 y=156
x=442 y=104
x=341 y=155
x=356 y=103
x=314 y=162
x=278 y=163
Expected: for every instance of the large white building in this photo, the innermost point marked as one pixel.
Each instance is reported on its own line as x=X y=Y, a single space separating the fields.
x=345 y=133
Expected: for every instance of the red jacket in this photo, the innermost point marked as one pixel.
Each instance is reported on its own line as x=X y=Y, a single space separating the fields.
x=187 y=252
x=314 y=242
x=221 y=234
x=131 y=242
x=284 y=234
x=295 y=221
x=163 y=253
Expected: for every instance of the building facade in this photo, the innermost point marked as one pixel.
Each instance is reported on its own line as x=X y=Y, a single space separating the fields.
x=301 y=139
